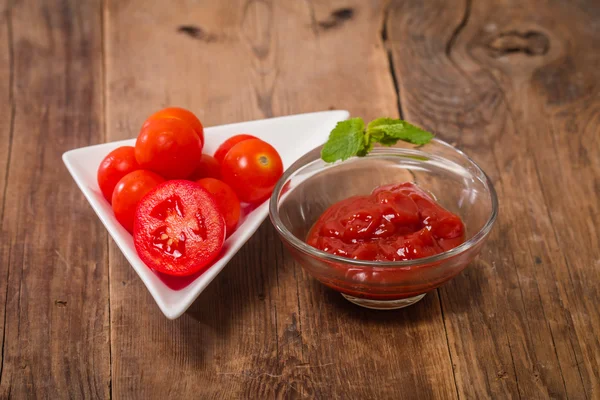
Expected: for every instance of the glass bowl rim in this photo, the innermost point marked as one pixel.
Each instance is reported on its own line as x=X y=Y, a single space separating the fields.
x=435 y=259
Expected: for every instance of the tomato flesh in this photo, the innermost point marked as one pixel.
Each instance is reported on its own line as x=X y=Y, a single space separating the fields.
x=394 y=223
x=178 y=229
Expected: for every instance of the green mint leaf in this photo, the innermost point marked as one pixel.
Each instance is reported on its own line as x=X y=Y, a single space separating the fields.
x=381 y=122
x=370 y=139
x=349 y=138
x=388 y=141
x=375 y=136
x=346 y=140
x=398 y=130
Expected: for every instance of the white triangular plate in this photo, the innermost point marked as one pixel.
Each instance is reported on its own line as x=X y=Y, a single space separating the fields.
x=292 y=136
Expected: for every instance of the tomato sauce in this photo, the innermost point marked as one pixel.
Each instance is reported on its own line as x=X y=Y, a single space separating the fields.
x=395 y=223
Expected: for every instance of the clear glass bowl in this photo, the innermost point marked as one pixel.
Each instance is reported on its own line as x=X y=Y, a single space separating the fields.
x=310 y=186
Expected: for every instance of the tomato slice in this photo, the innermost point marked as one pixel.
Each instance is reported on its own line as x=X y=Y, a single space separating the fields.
x=178 y=228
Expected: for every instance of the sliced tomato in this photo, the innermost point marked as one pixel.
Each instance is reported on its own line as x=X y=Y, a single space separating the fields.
x=228 y=144
x=178 y=228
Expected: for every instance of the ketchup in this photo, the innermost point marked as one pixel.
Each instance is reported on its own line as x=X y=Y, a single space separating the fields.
x=395 y=223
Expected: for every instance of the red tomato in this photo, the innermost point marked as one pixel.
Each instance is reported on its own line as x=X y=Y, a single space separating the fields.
x=226 y=200
x=252 y=168
x=228 y=144
x=169 y=147
x=178 y=228
x=182 y=114
x=209 y=168
x=128 y=193
x=115 y=165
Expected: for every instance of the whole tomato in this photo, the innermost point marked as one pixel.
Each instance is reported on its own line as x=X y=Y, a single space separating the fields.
x=115 y=165
x=226 y=199
x=252 y=168
x=170 y=147
x=182 y=114
x=209 y=167
x=229 y=143
x=128 y=193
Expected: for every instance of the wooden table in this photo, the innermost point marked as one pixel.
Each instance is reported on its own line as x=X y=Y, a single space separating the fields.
x=513 y=83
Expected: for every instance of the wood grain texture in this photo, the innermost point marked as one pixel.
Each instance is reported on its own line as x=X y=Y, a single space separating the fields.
x=263 y=329
x=6 y=132
x=515 y=84
x=6 y=96
x=519 y=93
x=53 y=251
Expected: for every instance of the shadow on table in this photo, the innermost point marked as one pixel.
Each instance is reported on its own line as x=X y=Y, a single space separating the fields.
x=463 y=291
x=241 y=287
x=252 y=275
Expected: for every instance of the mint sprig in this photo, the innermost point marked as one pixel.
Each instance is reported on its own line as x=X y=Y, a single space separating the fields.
x=350 y=138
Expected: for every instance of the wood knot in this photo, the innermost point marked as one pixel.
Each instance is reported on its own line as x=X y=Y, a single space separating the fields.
x=60 y=303
x=336 y=18
x=291 y=332
x=530 y=43
x=196 y=32
x=501 y=374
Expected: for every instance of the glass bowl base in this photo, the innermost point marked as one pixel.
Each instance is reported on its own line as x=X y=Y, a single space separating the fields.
x=383 y=304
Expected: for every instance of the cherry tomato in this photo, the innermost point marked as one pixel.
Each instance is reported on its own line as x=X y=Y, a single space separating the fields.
x=209 y=168
x=169 y=147
x=128 y=193
x=226 y=200
x=182 y=114
x=115 y=165
x=178 y=228
x=252 y=168
x=228 y=144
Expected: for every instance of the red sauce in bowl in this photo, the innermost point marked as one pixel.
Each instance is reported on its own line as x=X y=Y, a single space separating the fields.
x=395 y=223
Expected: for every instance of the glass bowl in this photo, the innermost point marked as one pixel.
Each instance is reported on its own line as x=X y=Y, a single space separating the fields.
x=310 y=186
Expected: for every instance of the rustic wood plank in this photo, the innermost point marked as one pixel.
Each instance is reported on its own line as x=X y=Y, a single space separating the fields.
x=7 y=110
x=6 y=132
x=53 y=261
x=513 y=84
x=263 y=329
